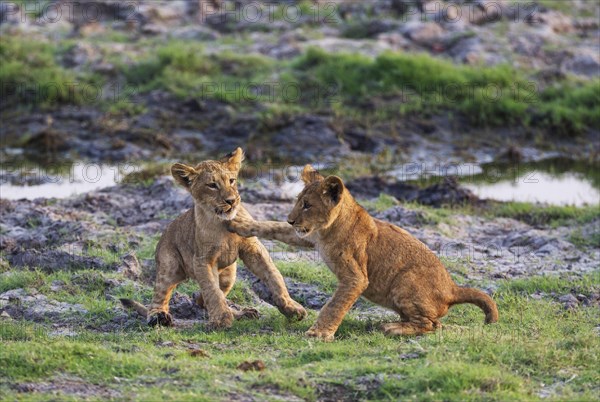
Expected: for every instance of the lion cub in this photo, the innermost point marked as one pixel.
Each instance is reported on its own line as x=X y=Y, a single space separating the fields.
x=372 y=258
x=198 y=245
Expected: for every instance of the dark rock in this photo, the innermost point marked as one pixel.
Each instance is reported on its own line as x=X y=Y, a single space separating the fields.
x=307 y=139
x=423 y=33
x=585 y=62
x=403 y=217
x=569 y=301
x=183 y=307
x=401 y=7
x=373 y=186
x=358 y=140
x=446 y=192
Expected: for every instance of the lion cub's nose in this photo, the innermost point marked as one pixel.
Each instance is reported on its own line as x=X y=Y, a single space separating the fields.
x=291 y=222
x=230 y=200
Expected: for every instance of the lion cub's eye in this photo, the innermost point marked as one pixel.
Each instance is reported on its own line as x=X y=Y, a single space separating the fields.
x=232 y=181
x=213 y=186
x=306 y=205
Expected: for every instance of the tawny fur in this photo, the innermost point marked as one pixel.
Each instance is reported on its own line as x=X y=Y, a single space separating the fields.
x=198 y=245
x=369 y=257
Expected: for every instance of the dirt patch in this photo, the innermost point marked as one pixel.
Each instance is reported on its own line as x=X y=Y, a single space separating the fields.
x=71 y=386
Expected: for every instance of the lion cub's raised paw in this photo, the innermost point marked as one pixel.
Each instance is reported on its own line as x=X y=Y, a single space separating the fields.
x=314 y=332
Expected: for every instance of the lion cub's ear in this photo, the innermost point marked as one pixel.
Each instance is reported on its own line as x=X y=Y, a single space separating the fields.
x=310 y=175
x=233 y=161
x=333 y=187
x=184 y=174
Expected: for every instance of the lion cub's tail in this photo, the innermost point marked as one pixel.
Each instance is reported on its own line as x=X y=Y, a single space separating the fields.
x=133 y=305
x=478 y=298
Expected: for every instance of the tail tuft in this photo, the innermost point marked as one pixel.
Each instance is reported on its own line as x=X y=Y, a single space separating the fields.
x=133 y=305
x=480 y=299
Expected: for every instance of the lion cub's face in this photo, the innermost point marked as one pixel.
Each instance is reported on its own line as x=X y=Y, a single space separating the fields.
x=316 y=204
x=213 y=184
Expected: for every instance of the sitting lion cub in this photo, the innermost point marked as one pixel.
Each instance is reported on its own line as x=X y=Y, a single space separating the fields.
x=198 y=245
x=372 y=258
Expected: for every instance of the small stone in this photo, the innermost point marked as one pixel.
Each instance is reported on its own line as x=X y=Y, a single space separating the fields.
x=569 y=301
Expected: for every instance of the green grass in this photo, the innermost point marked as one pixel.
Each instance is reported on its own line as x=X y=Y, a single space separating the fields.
x=419 y=83
x=318 y=275
x=535 y=214
x=530 y=213
x=536 y=348
x=184 y=69
x=380 y=203
x=550 y=283
x=19 y=279
x=31 y=75
x=582 y=241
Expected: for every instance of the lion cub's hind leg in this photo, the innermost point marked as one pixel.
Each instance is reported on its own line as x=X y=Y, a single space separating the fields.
x=168 y=275
x=418 y=316
x=417 y=326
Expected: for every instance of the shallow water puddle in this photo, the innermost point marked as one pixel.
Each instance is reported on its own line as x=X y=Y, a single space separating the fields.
x=568 y=189
x=557 y=181
x=59 y=180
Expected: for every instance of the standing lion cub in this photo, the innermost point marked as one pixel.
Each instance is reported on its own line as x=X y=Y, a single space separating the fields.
x=197 y=245
x=372 y=258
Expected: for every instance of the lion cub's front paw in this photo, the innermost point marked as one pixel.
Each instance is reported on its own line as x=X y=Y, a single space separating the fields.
x=222 y=320
x=321 y=334
x=240 y=227
x=161 y=318
x=293 y=310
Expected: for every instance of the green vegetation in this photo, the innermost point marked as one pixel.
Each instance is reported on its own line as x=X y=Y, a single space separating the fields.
x=184 y=69
x=318 y=275
x=380 y=203
x=31 y=74
x=486 y=96
x=530 y=213
x=578 y=239
x=538 y=349
x=534 y=214
x=349 y=84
